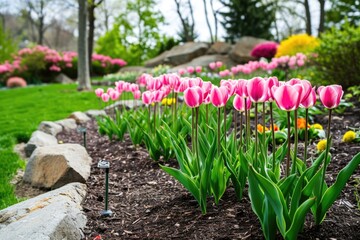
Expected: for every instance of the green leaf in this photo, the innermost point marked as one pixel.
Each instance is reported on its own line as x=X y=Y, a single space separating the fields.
x=286 y=186
x=334 y=191
x=185 y=180
x=299 y=219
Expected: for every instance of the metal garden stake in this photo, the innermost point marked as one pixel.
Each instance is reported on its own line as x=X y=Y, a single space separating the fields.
x=103 y=164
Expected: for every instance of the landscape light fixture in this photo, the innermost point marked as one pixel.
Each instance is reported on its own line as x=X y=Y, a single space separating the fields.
x=82 y=130
x=103 y=164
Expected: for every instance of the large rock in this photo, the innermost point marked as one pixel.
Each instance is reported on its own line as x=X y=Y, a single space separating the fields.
x=51 y=216
x=95 y=113
x=80 y=117
x=50 y=127
x=62 y=78
x=55 y=166
x=39 y=139
x=129 y=104
x=240 y=53
x=179 y=54
x=68 y=124
x=205 y=60
x=136 y=69
x=219 y=48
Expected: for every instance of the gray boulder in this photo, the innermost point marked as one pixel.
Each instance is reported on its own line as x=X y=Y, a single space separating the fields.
x=241 y=52
x=56 y=166
x=204 y=61
x=39 y=139
x=50 y=127
x=95 y=113
x=51 y=216
x=80 y=117
x=137 y=69
x=219 y=48
x=62 y=78
x=179 y=54
x=68 y=124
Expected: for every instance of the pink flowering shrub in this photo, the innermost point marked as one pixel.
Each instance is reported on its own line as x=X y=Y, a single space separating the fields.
x=265 y=50
x=42 y=64
x=15 y=82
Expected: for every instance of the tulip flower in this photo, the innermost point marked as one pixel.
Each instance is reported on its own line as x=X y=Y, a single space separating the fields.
x=105 y=97
x=287 y=97
x=257 y=89
x=330 y=96
x=99 y=92
x=193 y=96
x=239 y=103
x=219 y=96
x=137 y=94
x=147 y=97
x=114 y=95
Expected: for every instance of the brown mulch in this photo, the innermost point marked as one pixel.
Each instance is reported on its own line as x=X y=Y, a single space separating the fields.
x=147 y=203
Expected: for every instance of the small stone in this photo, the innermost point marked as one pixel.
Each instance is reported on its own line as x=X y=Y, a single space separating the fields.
x=80 y=117
x=177 y=225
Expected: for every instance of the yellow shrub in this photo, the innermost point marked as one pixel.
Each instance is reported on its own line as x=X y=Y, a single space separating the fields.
x=300 y=43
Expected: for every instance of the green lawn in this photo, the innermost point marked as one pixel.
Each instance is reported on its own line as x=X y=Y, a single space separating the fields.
x=21 y=111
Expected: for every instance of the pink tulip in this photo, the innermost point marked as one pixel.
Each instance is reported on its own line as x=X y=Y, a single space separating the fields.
x=137 y=94
x=330 y=96
x=239 y=103
x=193 y=96
x=190 y=69
x=310 y=100
x=164 y=79
x=147 y=97
x=257 y=89
x=219 y=96
x=240 y=88
x=271 y=81
x=105 y=97
x=212 y=65
x=206 y=88
x=195 y=82
x=174 y=80
x=134 y=87
x=99 y=92
x=154 y=83
x=114 y=95
x=218 y=64
x=305 y=84
x=230 y=85
x=158 y=95
x=287 y=97
x=181 y=71
x=198 y=69
x=109 y=90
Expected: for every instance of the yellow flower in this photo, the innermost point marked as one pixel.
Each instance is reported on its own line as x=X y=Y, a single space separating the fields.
x=170 y=101
x=321 y=146
x=317 y=126
x=164 y=101
x=349 y=136
x=300 y=43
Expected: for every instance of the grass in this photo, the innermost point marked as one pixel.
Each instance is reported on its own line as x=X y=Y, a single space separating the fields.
x=21 y=111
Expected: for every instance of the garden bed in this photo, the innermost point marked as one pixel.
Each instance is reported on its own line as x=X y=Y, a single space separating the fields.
x=149 y=204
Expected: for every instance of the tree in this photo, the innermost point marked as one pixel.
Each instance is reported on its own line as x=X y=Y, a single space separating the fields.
x=187 y=32
x=135 y=34
x=322 y=17
x=83 y=64
x=7 y=45
x=248 y=18
x=92 y=5
x=341 y=11
x=208 y=22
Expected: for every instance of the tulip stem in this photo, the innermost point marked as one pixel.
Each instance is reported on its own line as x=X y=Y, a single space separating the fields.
x=225 y=126
x=306 y=134
x=263 y=120
x=235 y=124
x=256 y=134
x=241 y=129
x=289 y=144
x=155 y=106
x=197 y=138
x=272 y=136
x=247 y=125
x=295 y=141
x=149 y=116
x=207 y=118
x=219 y=132
x=192 y=129
x=175 y=111
x=326 y=153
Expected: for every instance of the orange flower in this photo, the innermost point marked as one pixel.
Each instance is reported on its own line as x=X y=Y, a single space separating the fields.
x=276 y=127
x=301 y=123
x=260 y=128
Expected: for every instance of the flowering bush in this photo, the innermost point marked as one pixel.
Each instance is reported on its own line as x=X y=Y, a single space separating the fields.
x=15 y=82
x=297 y=43
x=42 y=64
x=264 y=50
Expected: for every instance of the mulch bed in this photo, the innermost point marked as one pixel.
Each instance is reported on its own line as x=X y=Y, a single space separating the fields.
x=147 y=203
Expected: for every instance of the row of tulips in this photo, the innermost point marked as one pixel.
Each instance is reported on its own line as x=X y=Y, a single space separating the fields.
x=281 y=200
x=284 y=62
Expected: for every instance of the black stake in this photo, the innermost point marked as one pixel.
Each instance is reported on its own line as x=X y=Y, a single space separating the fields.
x=103 y=164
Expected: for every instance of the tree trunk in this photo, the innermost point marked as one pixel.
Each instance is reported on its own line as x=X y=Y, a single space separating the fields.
x=91 y=12
x=207 y=22
x=308 y=17
x=215 y=20
x=83 y=59
x=322 y=17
